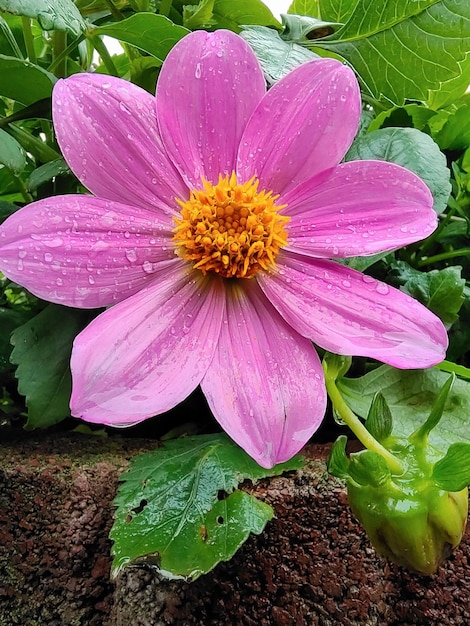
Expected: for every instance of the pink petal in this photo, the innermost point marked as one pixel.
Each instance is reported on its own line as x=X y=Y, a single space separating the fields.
x=83 y=251
x=208 y=87
x=265 y=383
x=350 y=313
x=107 y=131
x=304 y=125
x=362 y=207
x=146 y=354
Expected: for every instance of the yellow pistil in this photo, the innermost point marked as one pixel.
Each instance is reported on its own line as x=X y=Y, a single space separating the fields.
x=231 y=229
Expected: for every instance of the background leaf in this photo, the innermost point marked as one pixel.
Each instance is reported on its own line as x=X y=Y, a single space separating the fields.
x=11 y=153
x=404 y=50
x=42 y=349
x=51 y=14
x=23 y=81
x=177 y=507
x=411 y=395
x=152 y=33
x=276 y=56
x=412 y=149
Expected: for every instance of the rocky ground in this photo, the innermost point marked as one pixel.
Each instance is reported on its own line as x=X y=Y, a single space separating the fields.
x=312 y=565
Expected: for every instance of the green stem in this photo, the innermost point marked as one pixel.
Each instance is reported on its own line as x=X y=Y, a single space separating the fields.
x=165 y=7
x=60 y=58
x=29 y=39
x=104 y=54
x=115 y=12
x=357 y=427
x=59 y=44
x=443 y=256
x=24 y=192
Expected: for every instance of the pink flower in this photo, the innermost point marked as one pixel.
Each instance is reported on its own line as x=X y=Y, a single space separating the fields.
x=216 y=208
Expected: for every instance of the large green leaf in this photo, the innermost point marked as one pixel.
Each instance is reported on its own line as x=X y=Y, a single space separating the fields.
x=411 y=395
x=177 y=507
x=276 y=56
x=51 y=14
x=404 y=50
x=149 y=32
x=23 y=81
x=412 y=149
x=42 y=349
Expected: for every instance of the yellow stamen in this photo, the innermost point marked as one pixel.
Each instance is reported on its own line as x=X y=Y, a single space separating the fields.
x=231 y=229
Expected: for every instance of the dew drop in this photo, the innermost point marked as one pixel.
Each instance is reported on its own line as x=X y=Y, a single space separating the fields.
x=131 y=256
x=382 y=288
x=91 y=279
x=197 y=73
x=48 y=257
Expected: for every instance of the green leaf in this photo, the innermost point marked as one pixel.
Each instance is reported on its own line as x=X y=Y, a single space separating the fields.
x=334 y=10
x=9 y=320
x=442 y=291
x=411 y=396
x=421 y=435
x=177 y=507
x=11 y=153
x=199 y=16
x=233 y=15
x=404 y=50
x=47 y=172
x=412 y=149
x=452 y=127
x=6 y=209
x=452 y=472
x=305 y=7
x=23 y=81
x=152 y=33
x=379 y=419
x=42 y=349
x=276 y=56
x=368 y=468
x=338 y=462
x=51 y=14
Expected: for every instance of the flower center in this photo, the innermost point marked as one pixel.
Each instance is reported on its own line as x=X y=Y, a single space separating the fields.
x=231 y=229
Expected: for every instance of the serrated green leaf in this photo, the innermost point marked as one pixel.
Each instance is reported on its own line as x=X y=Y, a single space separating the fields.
x=442 y=291
x=411 y=396
x=412 y=149
x=42 y=349
x=379 y=420
x=9 y=320
x=410 y=115
x=338 y=462
x=452 y=472
x=454 y=131
x=23 y=81
x=51 y=14
x=177 y=505
x=152 y=33
x=334 y=10
x=11 y=153
x=368 y=468
x=405 y=50
x=276 y=56
x=47 y=172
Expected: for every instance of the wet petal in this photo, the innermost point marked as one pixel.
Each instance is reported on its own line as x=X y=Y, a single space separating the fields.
x=304 y=125
x=265 y=384
x=350 y=313
x=145 y=355
x=83 y=251
x=107 y=130
x=208 y=87
x=362 y=207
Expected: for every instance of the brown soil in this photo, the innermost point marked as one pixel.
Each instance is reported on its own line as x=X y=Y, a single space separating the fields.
x=311 y=566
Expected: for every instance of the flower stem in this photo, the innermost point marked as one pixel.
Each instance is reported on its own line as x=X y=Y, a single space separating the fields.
x=353 y=422
x=104 y=54
x=28 y=39
x=443 y=256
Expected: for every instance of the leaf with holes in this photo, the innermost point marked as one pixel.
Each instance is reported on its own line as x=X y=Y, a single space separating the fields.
x=178 y=507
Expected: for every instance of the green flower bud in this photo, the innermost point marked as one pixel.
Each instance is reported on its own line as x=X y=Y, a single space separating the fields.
x=416 y=525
